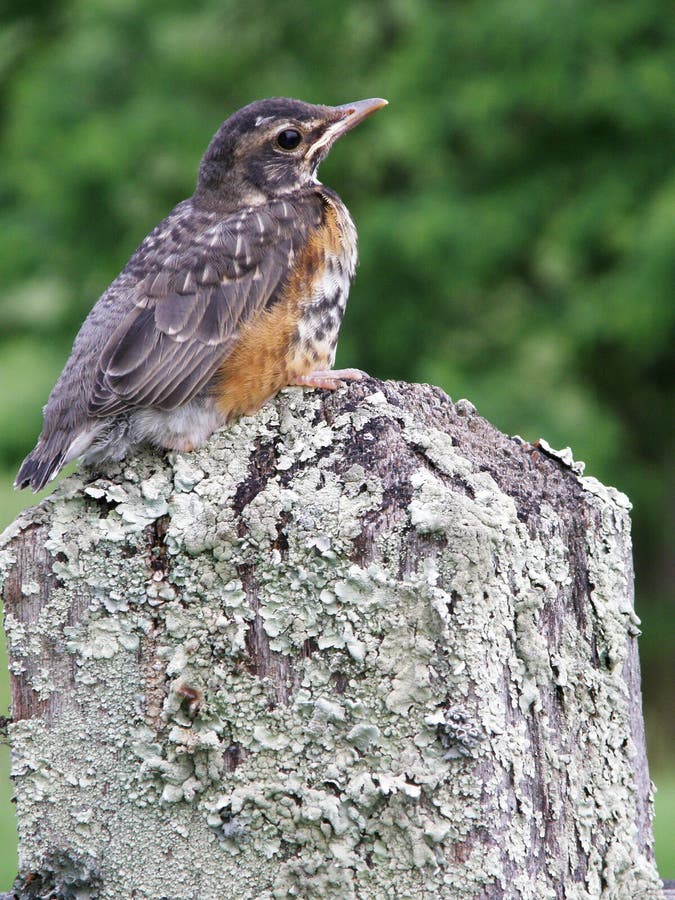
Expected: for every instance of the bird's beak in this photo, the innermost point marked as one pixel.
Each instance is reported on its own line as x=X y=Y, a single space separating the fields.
x=351 y=114
x=343 y=118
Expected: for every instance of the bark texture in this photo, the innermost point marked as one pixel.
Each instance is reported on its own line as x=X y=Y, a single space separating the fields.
x=360 y=646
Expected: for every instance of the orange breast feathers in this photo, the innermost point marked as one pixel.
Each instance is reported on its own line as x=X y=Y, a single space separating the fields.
x=297 y=332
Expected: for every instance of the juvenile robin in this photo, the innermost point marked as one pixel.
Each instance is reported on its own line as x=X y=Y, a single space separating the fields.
x=239 y=292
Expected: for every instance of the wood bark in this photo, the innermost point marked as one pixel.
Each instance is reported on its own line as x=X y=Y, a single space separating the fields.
x=361 y=645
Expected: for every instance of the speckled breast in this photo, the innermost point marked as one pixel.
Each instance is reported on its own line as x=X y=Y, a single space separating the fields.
x=320 y=282
x=297 y=333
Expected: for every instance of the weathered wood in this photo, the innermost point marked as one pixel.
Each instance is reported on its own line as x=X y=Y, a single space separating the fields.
x=361 y=645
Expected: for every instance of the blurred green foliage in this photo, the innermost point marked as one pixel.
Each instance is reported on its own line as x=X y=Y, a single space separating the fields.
x=515 y=205
x=664 y=821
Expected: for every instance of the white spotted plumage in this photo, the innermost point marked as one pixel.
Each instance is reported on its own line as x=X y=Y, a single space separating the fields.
x=323 y=311
x=252 y=245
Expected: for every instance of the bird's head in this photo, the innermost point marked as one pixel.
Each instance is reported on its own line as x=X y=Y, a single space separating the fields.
x=272 y=147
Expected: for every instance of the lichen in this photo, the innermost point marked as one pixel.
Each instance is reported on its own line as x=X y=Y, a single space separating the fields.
x=368 y=756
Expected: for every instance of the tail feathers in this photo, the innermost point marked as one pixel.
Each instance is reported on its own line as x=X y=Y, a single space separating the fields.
x=39 y=467
x=52 y=452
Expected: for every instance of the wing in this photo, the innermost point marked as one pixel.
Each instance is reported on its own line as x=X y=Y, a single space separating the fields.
x=197 y=291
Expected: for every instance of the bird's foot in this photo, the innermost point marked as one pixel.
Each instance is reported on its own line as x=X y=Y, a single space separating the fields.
x=329 y=379
x=181 y=444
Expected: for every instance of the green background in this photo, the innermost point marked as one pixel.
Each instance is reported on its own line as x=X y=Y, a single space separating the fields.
x=515 y=205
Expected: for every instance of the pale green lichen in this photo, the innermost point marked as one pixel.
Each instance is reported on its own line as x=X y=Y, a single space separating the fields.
x=370 y=776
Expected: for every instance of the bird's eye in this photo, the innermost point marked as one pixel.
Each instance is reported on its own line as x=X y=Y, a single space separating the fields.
x=289 y=138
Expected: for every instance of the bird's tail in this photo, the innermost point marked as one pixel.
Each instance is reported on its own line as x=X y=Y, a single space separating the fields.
x=40 y=466
x=56 y=447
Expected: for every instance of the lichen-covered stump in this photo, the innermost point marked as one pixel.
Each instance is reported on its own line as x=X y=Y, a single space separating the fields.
x=362 y=645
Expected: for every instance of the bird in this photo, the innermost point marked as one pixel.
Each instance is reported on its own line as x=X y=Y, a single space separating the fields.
x=237 y=293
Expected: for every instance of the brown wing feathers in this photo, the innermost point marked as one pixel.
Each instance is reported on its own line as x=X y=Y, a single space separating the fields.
x=191 y=306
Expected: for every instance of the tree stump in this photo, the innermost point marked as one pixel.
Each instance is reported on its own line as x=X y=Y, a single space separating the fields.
x=362 y=645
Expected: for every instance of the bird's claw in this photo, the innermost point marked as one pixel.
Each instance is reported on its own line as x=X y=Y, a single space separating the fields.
x=329 y=379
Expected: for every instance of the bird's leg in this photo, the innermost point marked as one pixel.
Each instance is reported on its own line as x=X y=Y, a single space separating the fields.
x=329 y=379
x=181 y=444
